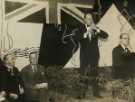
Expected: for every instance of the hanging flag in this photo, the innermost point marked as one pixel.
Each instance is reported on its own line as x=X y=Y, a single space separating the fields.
x=57 y=45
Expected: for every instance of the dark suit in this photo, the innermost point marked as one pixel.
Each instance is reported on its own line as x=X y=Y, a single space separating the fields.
x=89 y=51
x=123 y=63
x=30 y=79
x=89 y=55
x=10 y=82
x=3 y=70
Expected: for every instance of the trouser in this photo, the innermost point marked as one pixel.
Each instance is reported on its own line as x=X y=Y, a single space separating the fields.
x=89 y=70
x=90 y=74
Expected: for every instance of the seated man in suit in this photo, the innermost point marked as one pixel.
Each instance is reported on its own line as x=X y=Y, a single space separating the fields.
x=123 y=59
x=34 y=79
x=11 y=82
x=2 y=85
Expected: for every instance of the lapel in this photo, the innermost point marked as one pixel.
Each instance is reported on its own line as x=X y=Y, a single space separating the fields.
x=30 y=70
x=124 y=49
x=121 y=49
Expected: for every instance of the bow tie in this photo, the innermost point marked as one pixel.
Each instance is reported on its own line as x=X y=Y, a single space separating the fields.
x=127 y=50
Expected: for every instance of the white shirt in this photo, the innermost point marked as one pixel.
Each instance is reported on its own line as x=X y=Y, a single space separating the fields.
x=124 y=47
x=34 y=68
x=89 y=31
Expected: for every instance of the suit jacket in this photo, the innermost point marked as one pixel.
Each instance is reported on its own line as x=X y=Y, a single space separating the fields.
x=89 y=51
x=123 y=65
x=30 y=79
x=10 y=80
x=3 y=71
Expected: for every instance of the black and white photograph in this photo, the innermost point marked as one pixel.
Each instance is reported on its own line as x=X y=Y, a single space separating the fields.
x=67 y=51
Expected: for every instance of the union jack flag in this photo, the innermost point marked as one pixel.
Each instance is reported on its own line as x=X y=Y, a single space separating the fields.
x=39 y=11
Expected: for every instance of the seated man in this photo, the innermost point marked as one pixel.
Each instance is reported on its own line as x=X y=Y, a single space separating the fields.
x=2 y=82
x=123 y=59
x=34 y=79
x=11 y=82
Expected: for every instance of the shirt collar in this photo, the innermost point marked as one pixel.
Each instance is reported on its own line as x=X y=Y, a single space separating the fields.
x=123 y=46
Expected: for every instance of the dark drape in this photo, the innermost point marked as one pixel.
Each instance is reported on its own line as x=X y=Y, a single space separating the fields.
x=53 y=51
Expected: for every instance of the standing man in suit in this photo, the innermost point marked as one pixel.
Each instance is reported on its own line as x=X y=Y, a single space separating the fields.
x=88 y=36
x=123 y=58
x=34 y=79
x=89 y=52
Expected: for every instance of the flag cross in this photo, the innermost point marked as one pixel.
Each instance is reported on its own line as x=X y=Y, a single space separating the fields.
x=53 y=5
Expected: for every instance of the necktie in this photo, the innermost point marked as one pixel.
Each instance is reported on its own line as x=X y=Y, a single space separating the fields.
x=89 y=31
x=127 y=50
x=34 y=68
